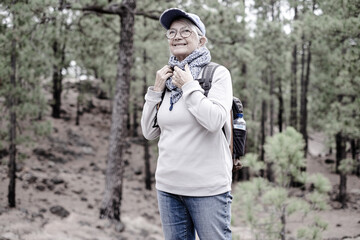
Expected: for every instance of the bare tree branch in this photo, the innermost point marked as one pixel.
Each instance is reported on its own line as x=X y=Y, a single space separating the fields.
x=115 y=9
x=154 y=15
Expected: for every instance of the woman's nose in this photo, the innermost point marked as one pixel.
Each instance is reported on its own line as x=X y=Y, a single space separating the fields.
x=177 y=35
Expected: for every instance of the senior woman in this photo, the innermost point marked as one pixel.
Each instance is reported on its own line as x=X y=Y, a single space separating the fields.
x=193 y=174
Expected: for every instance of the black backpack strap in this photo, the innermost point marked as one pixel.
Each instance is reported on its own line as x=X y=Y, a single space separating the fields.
x=155 y=124
x=207 y=76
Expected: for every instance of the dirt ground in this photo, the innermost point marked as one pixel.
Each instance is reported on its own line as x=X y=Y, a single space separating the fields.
x=61 y=181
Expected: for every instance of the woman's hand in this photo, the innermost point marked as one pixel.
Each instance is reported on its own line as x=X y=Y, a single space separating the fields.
x=181 y=77
x=161 y=76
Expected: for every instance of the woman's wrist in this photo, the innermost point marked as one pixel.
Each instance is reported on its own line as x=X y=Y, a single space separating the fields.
x=158 y=89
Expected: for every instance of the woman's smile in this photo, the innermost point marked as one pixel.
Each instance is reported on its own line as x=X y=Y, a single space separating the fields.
x=181 y=47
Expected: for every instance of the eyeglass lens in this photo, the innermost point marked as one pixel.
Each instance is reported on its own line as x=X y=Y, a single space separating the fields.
x=184 y=32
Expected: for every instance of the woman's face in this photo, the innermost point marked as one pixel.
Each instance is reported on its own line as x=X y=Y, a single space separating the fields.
x=181 y=47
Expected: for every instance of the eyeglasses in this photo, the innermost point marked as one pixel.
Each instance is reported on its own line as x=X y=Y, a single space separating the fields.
x=184 y=32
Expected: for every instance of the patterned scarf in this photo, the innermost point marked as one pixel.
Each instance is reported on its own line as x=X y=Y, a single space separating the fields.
x=196 y=60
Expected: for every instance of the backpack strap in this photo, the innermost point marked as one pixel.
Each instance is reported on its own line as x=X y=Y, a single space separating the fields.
x=155 y=124
x=207 y=76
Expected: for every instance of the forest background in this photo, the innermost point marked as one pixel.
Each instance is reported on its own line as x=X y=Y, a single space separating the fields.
x=293 y=64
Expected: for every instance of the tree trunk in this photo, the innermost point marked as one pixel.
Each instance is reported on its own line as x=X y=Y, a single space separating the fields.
x=283 y=224
x=244 y=100
x=340 y=155
x=340 y=150
x=111 y=203
x=303 y=102
x=146 y=142
x=357 y=159
x=342 y=190
x=293 y=91
x=355 y=146
x=271 y=102
x=293 y=86
x=263 y=124
x=281 y=106
x=57 y=83
x=12 y=130
x=147 y=165
x=77 y=121
x=135 y=124
x=269 y=169
x=128 y=121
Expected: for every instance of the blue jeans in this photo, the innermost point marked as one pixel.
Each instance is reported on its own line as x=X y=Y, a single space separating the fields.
x=182 y=215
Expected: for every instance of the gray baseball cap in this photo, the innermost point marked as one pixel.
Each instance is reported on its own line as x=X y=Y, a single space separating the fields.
x=170 y=15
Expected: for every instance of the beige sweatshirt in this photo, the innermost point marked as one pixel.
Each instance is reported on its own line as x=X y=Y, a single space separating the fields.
x=194 y=156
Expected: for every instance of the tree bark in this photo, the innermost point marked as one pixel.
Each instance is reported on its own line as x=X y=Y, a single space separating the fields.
x=357 y=159
x=303 y=102
x=293 y=91
x=283 y=224
x=135 y=124
x=146 y=142
x=59 y=56
x=355 y=146
x=12 y=130
x=269 y=169
x=147 y=165
x=57 y=83
x=77 y=119
x=111 y=203
x=281 y=106
x=271 y=102
x=342 y=190
x=263 y=124
x=340 y=155
x=340 y=150
x=293 y=86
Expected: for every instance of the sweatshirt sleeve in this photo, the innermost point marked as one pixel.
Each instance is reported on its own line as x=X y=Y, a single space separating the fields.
x=152 y=98
x=212 y=111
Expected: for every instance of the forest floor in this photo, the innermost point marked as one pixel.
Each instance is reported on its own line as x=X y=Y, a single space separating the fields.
x=61 y=181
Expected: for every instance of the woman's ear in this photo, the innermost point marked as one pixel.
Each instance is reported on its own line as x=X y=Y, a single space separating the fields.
x=202 y=41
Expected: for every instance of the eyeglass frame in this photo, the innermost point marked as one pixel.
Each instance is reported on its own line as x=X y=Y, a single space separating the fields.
x=176 y=32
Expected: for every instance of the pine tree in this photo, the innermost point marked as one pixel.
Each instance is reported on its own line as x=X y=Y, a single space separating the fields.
x=267 y=206
x=336 y=108
x=22 y=67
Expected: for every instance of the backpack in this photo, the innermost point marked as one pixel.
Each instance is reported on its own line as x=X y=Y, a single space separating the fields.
x=237 y=141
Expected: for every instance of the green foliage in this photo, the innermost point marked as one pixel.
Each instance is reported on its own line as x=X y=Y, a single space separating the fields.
x=251 y=161
x=347 y=165
x=22 y=55
x=313 y=231
x=285 y=151
x=336 y=60
x=320 y=183
x=267 y=206
x=42 y=128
